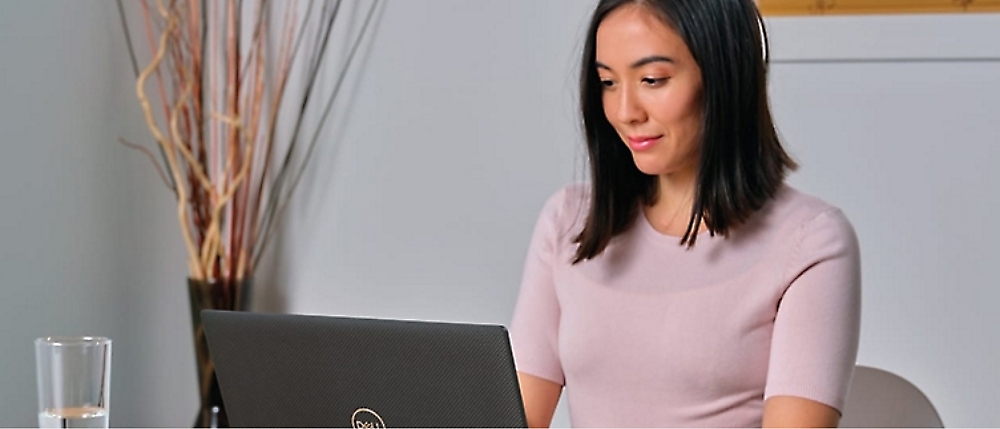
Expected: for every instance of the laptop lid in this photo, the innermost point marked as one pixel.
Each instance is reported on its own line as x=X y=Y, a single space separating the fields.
x=283 y=370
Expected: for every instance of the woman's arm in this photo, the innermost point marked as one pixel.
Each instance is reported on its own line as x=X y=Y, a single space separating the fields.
x=816 y=330
x=795 y=412
x=540 y=397
x=534 y=328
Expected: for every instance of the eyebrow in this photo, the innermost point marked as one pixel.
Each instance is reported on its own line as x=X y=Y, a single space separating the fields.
x=641 y=62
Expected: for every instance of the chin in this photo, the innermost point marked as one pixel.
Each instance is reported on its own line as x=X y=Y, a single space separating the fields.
x=650 y=168
x=655 y=164
x=651 y=171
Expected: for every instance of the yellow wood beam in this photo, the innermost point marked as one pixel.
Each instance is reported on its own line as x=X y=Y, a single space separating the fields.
x=838 y=7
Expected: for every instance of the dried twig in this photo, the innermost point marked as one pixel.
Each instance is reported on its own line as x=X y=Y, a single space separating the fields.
x=323 y=35
x=316 y=133
x=152 y=159
x=194 y=268
x=220 y=111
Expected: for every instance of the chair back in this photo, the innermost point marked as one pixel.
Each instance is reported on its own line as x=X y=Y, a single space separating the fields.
x=881 y=399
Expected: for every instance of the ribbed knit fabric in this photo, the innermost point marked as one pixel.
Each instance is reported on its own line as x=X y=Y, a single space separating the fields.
x=651 y=333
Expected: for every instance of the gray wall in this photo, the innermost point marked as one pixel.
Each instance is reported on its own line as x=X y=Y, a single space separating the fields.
x=908 y=150
x=88 y=238
x=459 y=127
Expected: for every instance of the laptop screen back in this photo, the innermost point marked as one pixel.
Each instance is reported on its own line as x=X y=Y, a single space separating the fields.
x=318 y=371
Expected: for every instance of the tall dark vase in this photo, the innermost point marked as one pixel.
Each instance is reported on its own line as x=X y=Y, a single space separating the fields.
x=215 y=295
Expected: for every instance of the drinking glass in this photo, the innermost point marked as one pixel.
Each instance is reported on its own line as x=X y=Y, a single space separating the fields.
x=74 y=379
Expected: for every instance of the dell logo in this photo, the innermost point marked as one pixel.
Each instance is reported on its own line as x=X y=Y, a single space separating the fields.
x=364 y=418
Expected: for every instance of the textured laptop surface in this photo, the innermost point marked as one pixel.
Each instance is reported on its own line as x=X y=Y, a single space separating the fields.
x=319 y=371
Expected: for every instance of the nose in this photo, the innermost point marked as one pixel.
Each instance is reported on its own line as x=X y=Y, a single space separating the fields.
x=629 y=109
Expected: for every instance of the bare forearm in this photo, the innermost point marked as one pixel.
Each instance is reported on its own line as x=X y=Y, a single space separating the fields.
x=791 y=411
x=540 y=397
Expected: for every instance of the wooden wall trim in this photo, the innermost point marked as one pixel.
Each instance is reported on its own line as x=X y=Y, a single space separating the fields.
x=838 y=7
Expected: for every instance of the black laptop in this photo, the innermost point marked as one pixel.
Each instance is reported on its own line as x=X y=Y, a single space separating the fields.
x=282 y=370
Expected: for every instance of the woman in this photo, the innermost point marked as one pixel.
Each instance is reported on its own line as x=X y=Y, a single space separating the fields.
x=686 y=285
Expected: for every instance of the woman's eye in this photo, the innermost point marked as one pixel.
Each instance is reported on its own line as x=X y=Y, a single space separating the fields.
x=653 y=81
x=607 y=83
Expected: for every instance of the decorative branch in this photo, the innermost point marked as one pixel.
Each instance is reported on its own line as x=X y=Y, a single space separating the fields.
x=231 y=175
x=152 y=159
x=193 y=267
x=326 y=112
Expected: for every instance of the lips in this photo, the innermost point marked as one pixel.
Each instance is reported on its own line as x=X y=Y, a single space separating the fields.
x=640 y=143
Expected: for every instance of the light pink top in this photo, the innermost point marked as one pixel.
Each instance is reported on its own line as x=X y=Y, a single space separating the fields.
x=650 y=333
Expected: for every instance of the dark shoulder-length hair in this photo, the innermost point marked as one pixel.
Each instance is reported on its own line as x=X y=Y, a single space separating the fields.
x=742 y=162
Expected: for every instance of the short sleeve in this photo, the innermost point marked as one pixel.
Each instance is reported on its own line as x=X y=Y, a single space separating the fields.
x=815 y=343
x=534 y=329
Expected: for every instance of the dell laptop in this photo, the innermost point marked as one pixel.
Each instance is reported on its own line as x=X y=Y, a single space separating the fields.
x=283 y=370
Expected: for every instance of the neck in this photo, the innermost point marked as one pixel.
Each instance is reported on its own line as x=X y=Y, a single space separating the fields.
x=675 y=197
x=676 y=188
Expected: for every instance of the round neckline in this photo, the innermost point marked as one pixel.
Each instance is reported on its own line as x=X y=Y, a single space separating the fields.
x=704 y=236
x=648 y=231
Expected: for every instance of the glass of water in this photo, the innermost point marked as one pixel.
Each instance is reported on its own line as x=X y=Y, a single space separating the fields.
x=74 y=379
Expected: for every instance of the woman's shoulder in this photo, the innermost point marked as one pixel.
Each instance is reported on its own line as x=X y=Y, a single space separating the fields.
x=797 y=203
x=567 y=207
x=809 y=214
x=569 y=198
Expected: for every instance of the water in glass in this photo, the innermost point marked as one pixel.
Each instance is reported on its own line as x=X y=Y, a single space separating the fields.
x=78 y=417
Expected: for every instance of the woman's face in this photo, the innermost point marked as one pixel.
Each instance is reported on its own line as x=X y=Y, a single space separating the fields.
x=652 y=90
